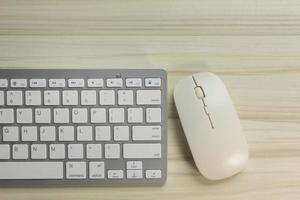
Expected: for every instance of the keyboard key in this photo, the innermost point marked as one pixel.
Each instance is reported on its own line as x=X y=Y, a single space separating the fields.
x=125 y=97
x=20 y=151
x=148 y=97
x=134 y=165
x=47 y=133
x=29 y=133
x=57 y=151
x=114 y=82
x=10 y=133
x=75 y=151
x=14 y=98
x=134 y=174
x=102 y=133
x=18 y=83
x=61 y=115
x=76 y=170
x=112 y=151
x=142 y=150
x=152 y=82
x=1 y=98
x=6 y=116
x=116 y=115
x=37 y=83
x=153 y=115
x=4 y=151
x=3 y=83
x=88 y=97
x=96 y=170
x=38 y=151
x=66 y=133
x=133 y=82
x=42 y=115
x=146 y=133
x=33 y=98
x=51 y=97
x=84 y=133
x=57 y=83
x=79 y=115
x=94 y=151
x=98 y=115
x=150 y=174
x=107 y=97
x=24 y=116
x=115 y=174
x=135 y=115
x=31 y=170
x=121 y=133
x=70 y=97
x=97 y=82
x=76 y=83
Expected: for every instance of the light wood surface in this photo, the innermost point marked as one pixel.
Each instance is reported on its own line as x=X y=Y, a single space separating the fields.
x=253 y=45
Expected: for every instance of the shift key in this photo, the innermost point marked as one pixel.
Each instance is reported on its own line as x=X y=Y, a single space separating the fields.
x=142 y=150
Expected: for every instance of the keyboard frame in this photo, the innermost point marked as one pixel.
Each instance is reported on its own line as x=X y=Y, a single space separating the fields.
x=109 y=164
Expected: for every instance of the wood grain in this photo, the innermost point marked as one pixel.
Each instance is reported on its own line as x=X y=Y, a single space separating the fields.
x=254 y=46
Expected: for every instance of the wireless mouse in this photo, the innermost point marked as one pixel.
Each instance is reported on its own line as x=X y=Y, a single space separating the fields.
x=211 y=126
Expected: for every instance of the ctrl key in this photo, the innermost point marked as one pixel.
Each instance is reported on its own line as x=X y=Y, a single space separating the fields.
x=76 y=170
x=153 y=174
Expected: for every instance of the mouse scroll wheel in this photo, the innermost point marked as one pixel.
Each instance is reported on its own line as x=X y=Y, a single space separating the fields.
x=199 y=92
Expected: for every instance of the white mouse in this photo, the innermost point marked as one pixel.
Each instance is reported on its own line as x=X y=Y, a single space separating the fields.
x=211 y=126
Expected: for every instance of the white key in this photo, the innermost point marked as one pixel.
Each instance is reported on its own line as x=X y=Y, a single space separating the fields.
x=115 y=174
x=18 y=83
x=96 y=170
x=112 y=151
x=76 y=170
x=51 y=97
x=84 y=133
x=24 y=116
x=79 y=115
x=47 y=133
x=121 y=133
x=88 y=97
x=57 y=83
x=31 y=170
x=125 y=97
x=61 y=115
x=33 y=97
x=102 y=133
x=3 y=83
x=66 y=133
x=146 y=150
x=10 y=133
x=38 y=151
x=29 y=133
x=134 y=165
x=153 y=115
x=95 y=82
x=98 y=115
x=70 y=97
x=42 y=115
x=20 y=151
x=114 y=82
x=1 y=98
x=152 y=82
x=37 y=83
x=116 y=115
x=76 y=83
x=75 y=151
x=107 y=97
x=148 y=97
x=94 y=151
x=6 y=116
x=4 y=151
x=153 y=174
x=133 y=82
x=135 y=115
x=14 y=98
x=146 y=133
x=134 y=174
x=57 y=151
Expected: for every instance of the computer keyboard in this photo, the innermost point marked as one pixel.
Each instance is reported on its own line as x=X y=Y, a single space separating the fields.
x=83 y=126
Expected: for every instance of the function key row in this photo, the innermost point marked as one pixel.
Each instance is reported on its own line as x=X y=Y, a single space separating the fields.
x=79 y=83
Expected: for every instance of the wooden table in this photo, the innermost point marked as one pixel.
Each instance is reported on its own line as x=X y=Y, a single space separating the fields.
x=253 y=45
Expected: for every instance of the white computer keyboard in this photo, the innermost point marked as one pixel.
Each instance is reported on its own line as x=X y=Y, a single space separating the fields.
x=83 y=126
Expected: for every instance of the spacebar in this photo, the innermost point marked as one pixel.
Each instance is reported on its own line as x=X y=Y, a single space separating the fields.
x=31 y=170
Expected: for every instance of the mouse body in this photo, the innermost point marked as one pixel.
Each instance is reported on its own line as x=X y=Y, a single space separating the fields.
x=211 y=126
